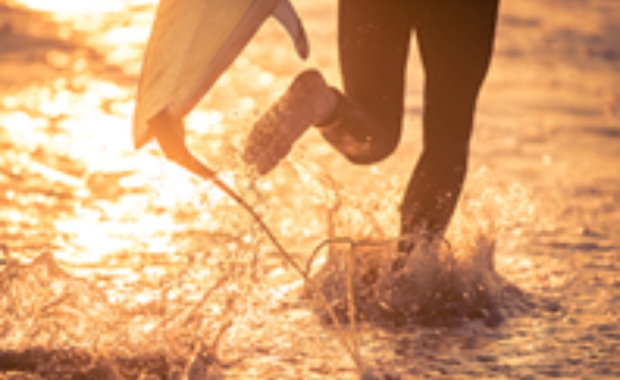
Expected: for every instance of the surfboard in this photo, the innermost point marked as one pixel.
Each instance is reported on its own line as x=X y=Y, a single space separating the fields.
x=192 y=43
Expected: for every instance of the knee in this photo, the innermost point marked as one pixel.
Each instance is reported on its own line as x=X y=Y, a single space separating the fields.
x=375 y=149
x=359 y=143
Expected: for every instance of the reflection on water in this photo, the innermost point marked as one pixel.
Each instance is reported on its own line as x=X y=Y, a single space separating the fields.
x=124 y=258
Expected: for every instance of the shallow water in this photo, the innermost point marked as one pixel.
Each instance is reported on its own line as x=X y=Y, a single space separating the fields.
x=147 y=261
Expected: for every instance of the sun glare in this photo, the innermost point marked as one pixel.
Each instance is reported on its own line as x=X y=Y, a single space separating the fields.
x=79 y=7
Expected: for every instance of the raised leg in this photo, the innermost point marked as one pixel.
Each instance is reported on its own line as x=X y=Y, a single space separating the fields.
x=374 y=38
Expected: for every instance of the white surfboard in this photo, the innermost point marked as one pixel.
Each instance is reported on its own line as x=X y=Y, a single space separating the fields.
x=192 y=43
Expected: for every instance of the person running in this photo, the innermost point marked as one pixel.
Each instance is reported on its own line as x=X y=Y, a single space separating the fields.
x=364 y=121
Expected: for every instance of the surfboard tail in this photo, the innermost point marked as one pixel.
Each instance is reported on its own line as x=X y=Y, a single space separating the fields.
x=287 y=16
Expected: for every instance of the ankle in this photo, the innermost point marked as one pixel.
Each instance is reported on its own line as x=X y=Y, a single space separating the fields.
x=330 y=115
x=409 y=241
x=310 y=86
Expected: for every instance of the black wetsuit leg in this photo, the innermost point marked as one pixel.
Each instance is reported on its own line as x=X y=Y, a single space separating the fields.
x=373 y=43
x=455 y=39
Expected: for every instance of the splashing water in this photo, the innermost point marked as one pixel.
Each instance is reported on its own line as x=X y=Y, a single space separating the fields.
x=446 y=281
x=123 y=266
x=205 y=302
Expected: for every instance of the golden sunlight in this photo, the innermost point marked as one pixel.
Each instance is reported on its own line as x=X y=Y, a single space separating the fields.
x=79 y=7
x=123 y=256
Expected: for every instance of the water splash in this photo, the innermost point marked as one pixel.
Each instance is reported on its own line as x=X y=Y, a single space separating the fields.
x=446 y=281
x=47 y=309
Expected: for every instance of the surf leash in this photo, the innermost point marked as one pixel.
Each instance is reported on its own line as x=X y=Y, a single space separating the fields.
x=172 y=144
